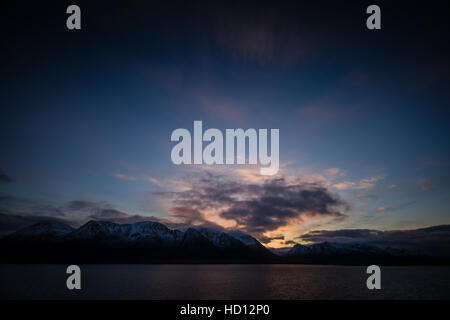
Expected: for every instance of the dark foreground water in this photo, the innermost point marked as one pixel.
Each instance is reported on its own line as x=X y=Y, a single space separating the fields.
x=223 y=282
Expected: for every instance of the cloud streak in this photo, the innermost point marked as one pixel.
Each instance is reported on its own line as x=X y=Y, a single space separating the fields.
x=366 y=183
x=124 y=177
x=10 y=223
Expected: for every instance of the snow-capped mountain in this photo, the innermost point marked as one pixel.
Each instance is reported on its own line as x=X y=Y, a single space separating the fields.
x=324 y=248
x=149 y=242
x=154 y=232
x=142 y=242
x=139 y=231
x=345 y=251
x=219 y=238
x=328 y=249
x=246 y=239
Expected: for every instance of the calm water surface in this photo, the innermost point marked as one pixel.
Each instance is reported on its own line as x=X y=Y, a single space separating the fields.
x=223 y=282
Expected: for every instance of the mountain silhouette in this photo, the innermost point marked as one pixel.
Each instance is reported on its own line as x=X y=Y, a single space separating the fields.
x=141 y=242
x=153 y=242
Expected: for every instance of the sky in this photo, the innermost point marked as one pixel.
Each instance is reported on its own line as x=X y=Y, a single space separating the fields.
x=363 y=115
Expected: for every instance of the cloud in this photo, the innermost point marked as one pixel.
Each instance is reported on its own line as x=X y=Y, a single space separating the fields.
x=97 y=210
x=431 y=162
x=220 y=105
x=179 y=218
x=344 y=235
x=344 y=185
x=365 y=195
x=46 y=209
x=367 y=183
x=254 y=207
x=82 y=205
x=266 y=239
x=121 y=217
x=124 y=177
x=141 y=177
x=433 y=240
x=4 y=178
x=18 y=213
x=125 y=219
x=427 y=184
x=154 y=180
x=23 y=206
x=187 y=215
x=334 y=172
x=392 y=208
x=10 y=222
x=108 y=214
x=437 y=182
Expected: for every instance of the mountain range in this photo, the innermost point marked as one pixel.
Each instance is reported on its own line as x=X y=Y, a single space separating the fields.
x=141 y=242
x=153 y=242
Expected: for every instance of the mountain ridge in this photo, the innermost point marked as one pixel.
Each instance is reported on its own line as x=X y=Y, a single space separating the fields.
x=153 y=242
x=104 y=241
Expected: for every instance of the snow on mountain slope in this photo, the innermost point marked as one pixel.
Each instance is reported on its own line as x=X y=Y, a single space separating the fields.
x=246 y=239
x=218 y=238
x=100 y=229
x=128 y=232
x=140 y=231
x=332 y=249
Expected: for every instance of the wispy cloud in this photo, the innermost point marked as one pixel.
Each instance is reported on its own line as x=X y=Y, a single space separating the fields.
x=332 y=172
x=154 y=180
x=366 y=183
x=24 y=206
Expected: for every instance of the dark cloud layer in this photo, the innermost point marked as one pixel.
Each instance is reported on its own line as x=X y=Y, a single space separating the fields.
x=256 y=208
x=82 y=205
x=10 y=223
x=46 y=209
x=24 y=206
x=4 y=177
x=97 y=210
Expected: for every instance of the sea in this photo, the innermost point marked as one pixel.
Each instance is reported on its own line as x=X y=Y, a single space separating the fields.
x=222 y=281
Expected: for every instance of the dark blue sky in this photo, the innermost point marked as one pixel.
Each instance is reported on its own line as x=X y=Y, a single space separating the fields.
x=87 y=115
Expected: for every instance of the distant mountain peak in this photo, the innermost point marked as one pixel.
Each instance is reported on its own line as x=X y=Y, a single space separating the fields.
x=101 y=230
x=44 y=229
x=143 y=242
x=218 y=238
